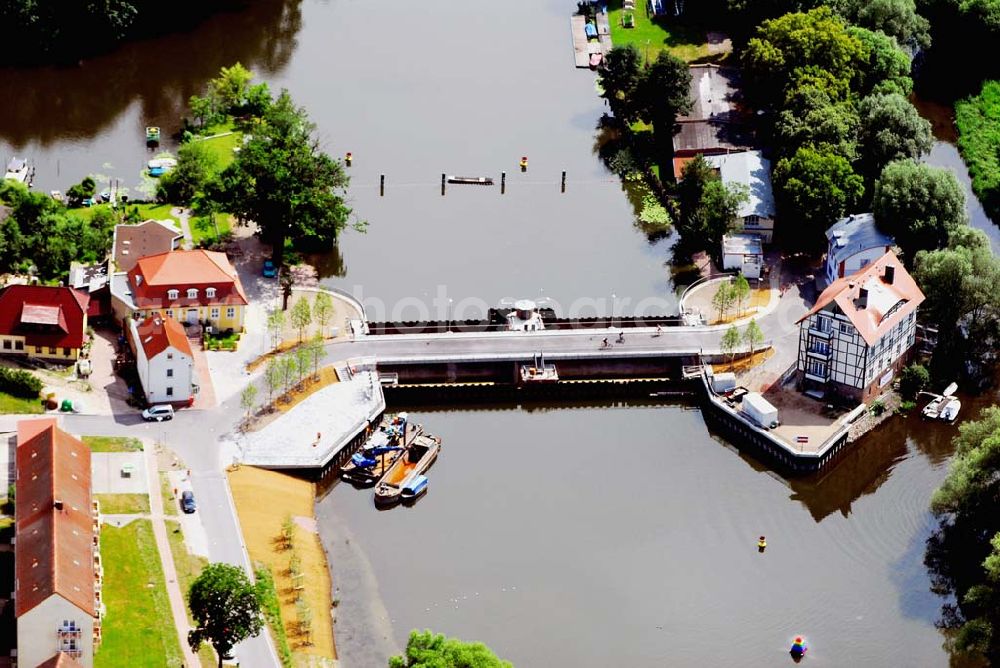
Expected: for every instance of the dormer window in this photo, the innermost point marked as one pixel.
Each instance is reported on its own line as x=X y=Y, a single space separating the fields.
x=192 y=293
x=172 y=294
x=210 y=293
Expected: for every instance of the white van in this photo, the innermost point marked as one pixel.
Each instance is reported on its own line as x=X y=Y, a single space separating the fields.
x=158 y=413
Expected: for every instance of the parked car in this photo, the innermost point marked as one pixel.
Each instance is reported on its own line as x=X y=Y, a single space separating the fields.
x=270 y=271
x=187 y=502
x=158 y=413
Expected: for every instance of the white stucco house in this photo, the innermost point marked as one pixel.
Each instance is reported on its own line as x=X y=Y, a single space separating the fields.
x=852 y=244
x=164 y=360
x=751 y=170
x=744 y=253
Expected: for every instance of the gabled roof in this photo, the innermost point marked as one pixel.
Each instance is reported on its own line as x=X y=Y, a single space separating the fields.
x=60 y=660
x=753 y=170
x=156 y=334
x=54 y=549
x=180 y=270
x=44 y=315
x=854 y=234
x=132 y=242
x=885 y=303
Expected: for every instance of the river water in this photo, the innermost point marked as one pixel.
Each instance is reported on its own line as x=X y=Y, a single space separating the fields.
x=561 y=535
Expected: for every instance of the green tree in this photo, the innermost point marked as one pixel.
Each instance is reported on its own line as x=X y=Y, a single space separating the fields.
x=730 y=342
x=912 y=380
x=707 y=209
x=815 y=187
x=752 y=336
x=275 y=324
x=248 y=398
x=897 y=18
x=283 y=182
x=741 y=291
x=891 y=129
x=272 y=377
x=301 y=316
x=661 y=95
x=289 y=367
x=204 y=111
x=230 y=88
x=919 y=205
x=196 y=166
x=812 y=118
x=885 y=67
x=322 y=311
x=429 y=650
x=620 y=74
x=317 y=351
x=79 y=192
x=303 y=358
x=814 y=46
x=723 y=299
x=962 y=554
x=225 y=608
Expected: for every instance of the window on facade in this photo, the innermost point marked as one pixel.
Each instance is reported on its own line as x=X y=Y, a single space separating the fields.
x=173 y=294
x=192 y=293
x=170 y=313
x=51 y=350
x=170 y=391
x=170 y=356
x=215 y=312
x=170 y=373
x=210 y=293
x=19 y=345
x=67 y=351
x=845 y=328
x=816 y=368
x=751 y=220
x=231 y=312
x=7 y=344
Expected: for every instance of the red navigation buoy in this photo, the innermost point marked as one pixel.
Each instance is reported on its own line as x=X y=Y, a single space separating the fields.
x=348 y=158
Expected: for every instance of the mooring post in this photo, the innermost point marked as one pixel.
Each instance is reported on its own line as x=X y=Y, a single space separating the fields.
x=442 y=185
x=564 y=181
x=381 y=185
x=503 y=182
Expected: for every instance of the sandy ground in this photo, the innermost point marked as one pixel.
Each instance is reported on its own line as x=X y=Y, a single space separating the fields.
x=261 y=523
x=700 y=300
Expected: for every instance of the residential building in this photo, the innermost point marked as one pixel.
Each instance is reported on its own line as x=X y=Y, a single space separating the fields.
x=43 y=321
x=751 y=170
x=192 y=286
x=164 y=359
x=57 y=564
x=61 y=660
x=860 y=331
x=131 y=242
x=853 y=243
x=744 y=253
x=715 y=124
x=93 y=280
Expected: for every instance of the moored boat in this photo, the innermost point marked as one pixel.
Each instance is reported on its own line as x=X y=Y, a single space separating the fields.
x=415 y=462
x=595 y=60
x=18 y=170
x=380 y=451
x=152 y=134
x=950 y=411
x=414 y=489
x=472 y=180
x=936 y=405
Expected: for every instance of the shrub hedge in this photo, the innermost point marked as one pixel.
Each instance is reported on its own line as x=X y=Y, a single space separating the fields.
x=19 y=383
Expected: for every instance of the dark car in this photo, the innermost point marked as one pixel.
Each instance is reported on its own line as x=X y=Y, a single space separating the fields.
x=270 y=271
x=187 y=502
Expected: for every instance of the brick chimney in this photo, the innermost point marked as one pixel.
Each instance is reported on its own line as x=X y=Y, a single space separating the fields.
x=863 y=298
x=890 y=274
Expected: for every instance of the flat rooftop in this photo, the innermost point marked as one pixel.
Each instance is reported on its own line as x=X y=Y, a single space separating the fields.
x=806 y=423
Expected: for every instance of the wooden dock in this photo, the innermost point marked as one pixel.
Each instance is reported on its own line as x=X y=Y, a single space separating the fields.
x=582 y=47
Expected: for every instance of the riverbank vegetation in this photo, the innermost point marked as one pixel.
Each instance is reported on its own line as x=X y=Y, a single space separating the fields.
x=963 y=554
x=978 y=121
x=425 y=649
x=651 y=34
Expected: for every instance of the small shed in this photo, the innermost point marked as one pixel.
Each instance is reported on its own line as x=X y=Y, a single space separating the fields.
x=743 y=252
x=723 y=382
x=759 y=409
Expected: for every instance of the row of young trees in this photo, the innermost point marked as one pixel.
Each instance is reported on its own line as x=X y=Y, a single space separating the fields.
x=732 y=339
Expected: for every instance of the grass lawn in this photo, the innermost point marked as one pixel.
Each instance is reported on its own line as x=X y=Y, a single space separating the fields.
x=138 y=627
x=222 y=147
x=204 y=232
x=146 y=211
x=650 y=36
x=167 y=494
x=113 y=443
x=11 y=405
x=123 y=504
x=189 y=567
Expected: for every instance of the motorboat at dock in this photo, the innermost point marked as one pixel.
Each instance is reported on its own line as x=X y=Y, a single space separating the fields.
x=380 y=451
x=415 y=462
x=935 y=408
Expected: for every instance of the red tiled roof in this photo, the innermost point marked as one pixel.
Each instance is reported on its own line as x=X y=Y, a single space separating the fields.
x=54 y=549
x=180 y=270
x=886 y=303
x=61 y=660
x=156 y=334
x=44 y=315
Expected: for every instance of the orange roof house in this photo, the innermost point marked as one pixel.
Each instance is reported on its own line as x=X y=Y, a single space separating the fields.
x=860 y=331
x=57 y=579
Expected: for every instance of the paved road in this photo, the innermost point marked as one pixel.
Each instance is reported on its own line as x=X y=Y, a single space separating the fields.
x=194 y=435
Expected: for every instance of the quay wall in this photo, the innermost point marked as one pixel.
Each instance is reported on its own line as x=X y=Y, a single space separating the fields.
x=496 y=323
x=507 y=372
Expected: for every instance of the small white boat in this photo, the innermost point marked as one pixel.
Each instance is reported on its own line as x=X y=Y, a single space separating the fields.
x=18 y=170
x=937 y=404
x=950 y=411
x=415 y=488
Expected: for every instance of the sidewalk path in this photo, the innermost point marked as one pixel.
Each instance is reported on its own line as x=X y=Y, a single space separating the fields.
x=174 y=594
x=182 y=217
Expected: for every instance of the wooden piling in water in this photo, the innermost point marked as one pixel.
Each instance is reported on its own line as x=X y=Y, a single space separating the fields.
x=503 y=182
x=381 y=185
x=444 y=178
x=563 y=181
